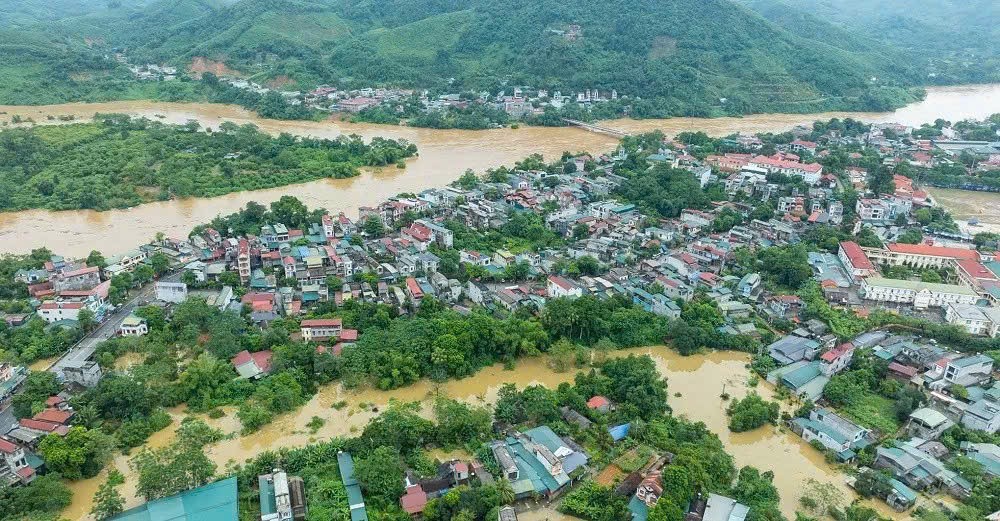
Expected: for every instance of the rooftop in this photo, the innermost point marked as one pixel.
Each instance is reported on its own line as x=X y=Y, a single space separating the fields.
x=212 y=502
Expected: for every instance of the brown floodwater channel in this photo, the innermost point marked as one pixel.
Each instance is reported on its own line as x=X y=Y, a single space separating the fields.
x=699 y=379
x=444 y=155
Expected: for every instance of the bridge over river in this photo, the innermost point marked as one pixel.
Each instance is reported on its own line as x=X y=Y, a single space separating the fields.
x=593 y=127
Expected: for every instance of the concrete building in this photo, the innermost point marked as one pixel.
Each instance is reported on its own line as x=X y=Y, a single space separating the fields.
x=560 y=287
x=82 y=372
x=921 y=295
x=975 y=319
x=173 y=292
x=927 y=424
x=133 y=326
x=854 y=259
x=834 y=432
x=14 y=466
x=983 y=415
x=319 y=329
x=920 y=255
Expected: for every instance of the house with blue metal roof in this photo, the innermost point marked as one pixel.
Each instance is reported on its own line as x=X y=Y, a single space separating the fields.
x=355 y=500
x=543 y=462
x=212 y=502
x=834 y=432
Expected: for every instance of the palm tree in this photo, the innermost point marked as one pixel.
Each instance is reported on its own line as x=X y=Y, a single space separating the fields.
x=505 y=491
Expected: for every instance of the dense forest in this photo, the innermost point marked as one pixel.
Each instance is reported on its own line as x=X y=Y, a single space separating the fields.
x=117 y=162
x=955 y=41
x=679 y=57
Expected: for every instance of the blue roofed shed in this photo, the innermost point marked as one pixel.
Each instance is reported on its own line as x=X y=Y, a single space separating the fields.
x=212 y=502
x=619 y=432
x=355 y=499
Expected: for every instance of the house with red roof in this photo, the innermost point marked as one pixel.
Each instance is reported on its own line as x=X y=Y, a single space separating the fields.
x=54 y=416
x=14 y=466
x=252 y=366
x=974 y=273
x=921 y=255
x=784 y=164
x=414 y=500
x=559 y=287
x=855 y=260
x=43 y=427
x=319 y=329
x=599 y=403
x=837 y=359
x=800 y=145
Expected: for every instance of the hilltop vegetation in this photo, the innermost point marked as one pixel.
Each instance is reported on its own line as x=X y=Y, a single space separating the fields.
x=951 y=41
x=682 y=57
x=119 y=162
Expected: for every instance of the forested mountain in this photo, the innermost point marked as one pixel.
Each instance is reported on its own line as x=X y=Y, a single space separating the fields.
x=696 y=57
x=950 y=40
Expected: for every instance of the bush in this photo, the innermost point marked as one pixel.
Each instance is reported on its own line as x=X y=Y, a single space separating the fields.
x=751 y=412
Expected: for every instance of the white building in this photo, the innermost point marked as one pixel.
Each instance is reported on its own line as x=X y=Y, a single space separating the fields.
x=560 y=287
x=872 y=209
x=968 y=370
x=976 y=320
x=854 y=259
x=14 y=466
x=133 y=326
x=321 y=329
x=174 y=292
x=921 y=295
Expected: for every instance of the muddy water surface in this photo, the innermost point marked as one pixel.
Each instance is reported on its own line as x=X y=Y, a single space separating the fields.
x=444 y=155
x=699 y=379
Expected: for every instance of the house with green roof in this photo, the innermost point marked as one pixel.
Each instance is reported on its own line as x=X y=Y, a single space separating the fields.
x=355 y=500
x=213 y=502
x=805 y=379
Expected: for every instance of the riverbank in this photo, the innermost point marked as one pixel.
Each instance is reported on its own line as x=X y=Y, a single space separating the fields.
x=444 y=155
x=694 y=385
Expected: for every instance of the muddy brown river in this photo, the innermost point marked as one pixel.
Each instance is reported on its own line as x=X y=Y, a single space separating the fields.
x=444 y=155
x=699 y=379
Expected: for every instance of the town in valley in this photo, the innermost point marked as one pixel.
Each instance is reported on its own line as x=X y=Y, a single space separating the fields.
x=868 y=316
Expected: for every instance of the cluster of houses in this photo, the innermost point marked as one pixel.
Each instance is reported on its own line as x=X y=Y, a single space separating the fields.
x=960 y=388
x=19 y=462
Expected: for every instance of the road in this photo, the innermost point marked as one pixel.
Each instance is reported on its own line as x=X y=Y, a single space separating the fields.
x=85 y=348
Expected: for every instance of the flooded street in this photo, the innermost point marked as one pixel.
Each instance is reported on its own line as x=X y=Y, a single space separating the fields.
x=444 y=155
x=699 y=379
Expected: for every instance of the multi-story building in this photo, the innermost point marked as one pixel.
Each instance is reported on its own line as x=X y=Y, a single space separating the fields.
x=872 y=209
x=854 y=259
x=975 y=319
x=920 y=255
x=243 y=260
x=14 y=466
x=318 y=329
x=921 y=295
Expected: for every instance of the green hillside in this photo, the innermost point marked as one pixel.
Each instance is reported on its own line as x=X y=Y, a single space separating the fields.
x=948 y=40
x=681 y=57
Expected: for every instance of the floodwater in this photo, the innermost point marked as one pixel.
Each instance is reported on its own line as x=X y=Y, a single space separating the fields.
x=965 y=204
x=699 y=379
x=444 y=155
x=43 y=364
x=129 y=360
